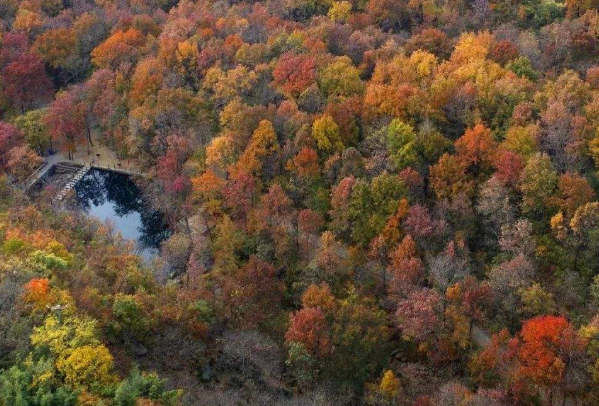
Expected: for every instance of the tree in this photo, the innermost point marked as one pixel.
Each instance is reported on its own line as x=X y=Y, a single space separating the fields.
x=309 y=328
x=26 y=81
x=86 y=365
x=58 y=47
x=472 y=299
x=585 y=227
x=517 y=238
x=302 y=365
x=538 y=183
x=14 y=44
x=130 y=321
x=508 y=167
x=386 y=392
x=294 y=73
x=537 y=301
x=340 y=78
x=448 y=267
x=207 y=188
x=488 y=366
x=36 y=292
x=477 y=148
x=227 y=242
x=495 y=207
x=522 y=139
x=327 y=264
x=33 y=127
x=66 y=121
x=90 y=31
x=452 y=394
x=401 y=144
x=503 y=51
x=340 y=11
x=573 y=191
x=340 y=200
x=371 y=206
x=390 y=15
x=78 y=355
x=146 y=81
x=234 y=83
x=263 y=145
x=326 y=133
x=423 y=226
x=139 y=386
x=405 y=267
x=547 y=349
x=305 y=163
x=431 y=40
x=557 y=137
x=28 y=20
x=309 y=223
x=187 y=61
x=220 y=153
x=253 y=294
x=120 y=47
x=239 y=194
x=22 y=161
x=576 y=8
x=21 y=386
x=448 y=177
x=419 y=315
x=347 y=114
x=10 y=137
x=276 y=207
x=360 y=337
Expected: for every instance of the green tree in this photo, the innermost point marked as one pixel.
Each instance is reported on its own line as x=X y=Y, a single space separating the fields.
x=401 y=144
x=340 y=78
x=130 y=321
x=371 y=205
x=32 y=125
x=31 y=384
x=144 y=386
x=360 y=337
x=539 y=180
x=522 y=67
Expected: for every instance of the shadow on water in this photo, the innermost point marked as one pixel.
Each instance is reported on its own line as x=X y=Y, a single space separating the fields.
x=115 y=197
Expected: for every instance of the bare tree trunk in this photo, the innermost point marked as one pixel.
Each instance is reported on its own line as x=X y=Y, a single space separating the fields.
x=88 y=131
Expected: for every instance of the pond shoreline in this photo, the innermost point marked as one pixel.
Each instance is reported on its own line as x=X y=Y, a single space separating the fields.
x=110 y=195
x=47 y=166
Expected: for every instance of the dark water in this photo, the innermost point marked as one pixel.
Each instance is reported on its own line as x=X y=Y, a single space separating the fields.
x=115 y=197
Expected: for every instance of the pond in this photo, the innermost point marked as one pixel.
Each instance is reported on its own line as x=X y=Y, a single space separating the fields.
x=115 y=198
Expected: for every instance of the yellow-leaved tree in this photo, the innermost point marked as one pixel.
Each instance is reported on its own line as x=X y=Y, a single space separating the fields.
x=82 y=360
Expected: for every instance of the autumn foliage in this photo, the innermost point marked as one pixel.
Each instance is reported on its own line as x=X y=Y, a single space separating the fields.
x=368 y=202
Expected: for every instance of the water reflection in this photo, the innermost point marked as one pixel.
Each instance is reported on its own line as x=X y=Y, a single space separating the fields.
x=115 y=197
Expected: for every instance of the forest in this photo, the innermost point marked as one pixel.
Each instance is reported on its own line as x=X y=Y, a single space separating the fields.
x=371 y=203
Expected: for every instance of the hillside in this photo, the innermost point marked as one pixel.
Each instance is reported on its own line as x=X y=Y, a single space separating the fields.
x=356 y=202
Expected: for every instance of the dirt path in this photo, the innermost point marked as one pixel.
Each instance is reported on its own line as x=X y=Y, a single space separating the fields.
x=102 y=156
